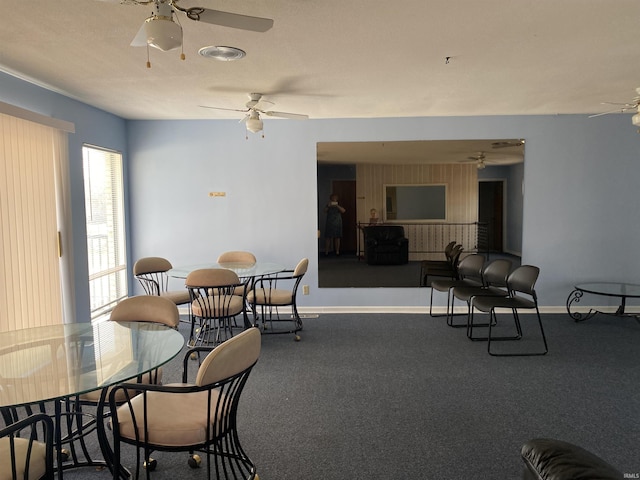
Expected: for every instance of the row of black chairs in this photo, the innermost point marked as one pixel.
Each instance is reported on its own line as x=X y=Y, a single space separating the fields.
x=489 y=287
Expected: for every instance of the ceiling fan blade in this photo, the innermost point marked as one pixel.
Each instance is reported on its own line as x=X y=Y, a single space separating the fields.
x=295 y=116
x=227 y=109
x=226 y=19
x=140 y=40
x=617 y=110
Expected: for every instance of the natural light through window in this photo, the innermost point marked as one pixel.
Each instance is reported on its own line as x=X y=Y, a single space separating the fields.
x=106 y=249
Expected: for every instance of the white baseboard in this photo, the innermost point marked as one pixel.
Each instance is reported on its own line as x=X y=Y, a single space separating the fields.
x=312 y=312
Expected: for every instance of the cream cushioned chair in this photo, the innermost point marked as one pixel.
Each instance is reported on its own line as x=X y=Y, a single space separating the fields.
x=237 y=257
x=151 y=272
x=213 y=304
x=199 y=416
x=268 y=294
x=25 y=457
x=142 y=308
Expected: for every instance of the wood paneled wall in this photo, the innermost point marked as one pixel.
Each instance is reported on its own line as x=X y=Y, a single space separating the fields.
x=462 y=191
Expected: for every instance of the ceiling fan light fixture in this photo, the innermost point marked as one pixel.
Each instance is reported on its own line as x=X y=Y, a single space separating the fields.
x=163 y=33
x=481 y=165
x=222 y=53
x=636 y=119
x=254 y=124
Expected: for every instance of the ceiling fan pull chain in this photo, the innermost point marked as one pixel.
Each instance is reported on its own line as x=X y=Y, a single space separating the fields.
x=148 y=59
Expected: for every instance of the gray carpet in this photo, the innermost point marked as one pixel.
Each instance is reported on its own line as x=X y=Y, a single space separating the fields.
x=404 y=397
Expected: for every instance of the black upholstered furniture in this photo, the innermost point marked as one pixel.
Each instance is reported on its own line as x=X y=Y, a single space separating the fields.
x=549 y=459
x=386 y=245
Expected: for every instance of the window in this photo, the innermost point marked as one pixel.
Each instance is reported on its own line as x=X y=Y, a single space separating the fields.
x=106 y=249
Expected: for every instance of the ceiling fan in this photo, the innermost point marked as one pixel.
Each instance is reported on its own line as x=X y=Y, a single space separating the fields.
x=163 y=31
x=255 y=107
x=623 y=107
x=479 y=160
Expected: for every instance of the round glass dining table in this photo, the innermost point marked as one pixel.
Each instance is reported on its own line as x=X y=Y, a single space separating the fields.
x=243 y=270
x=55 y=363
x=51 y=362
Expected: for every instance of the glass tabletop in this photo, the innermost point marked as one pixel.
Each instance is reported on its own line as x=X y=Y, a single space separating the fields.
x=612 y=289
x=243 y=270
x=57 y=361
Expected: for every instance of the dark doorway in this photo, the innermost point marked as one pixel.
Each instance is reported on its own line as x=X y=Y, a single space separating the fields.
x=346 y=191
x=490 y=213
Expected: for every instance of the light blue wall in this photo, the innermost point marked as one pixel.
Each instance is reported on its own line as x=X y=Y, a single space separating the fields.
x=579 y=215
x=580 y=211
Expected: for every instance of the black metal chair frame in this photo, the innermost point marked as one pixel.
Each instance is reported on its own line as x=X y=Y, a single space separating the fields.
x=448 y=269
x=156 y=282
x=469 y=274
x=230 y=459
x=515 y=301
x=14 y=430
x=268 y=313
x=214 y=302
x=494 y=283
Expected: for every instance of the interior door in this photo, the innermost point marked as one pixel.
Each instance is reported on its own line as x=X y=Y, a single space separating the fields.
x=490 y=212
x=346 y=191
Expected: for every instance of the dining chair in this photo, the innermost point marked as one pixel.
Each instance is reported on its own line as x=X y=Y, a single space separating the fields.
x=214 y=304
x=194 y=417
x=26 y=449
x=469 y=274
x=522 y=296
x=151 y=272
x=271 y=292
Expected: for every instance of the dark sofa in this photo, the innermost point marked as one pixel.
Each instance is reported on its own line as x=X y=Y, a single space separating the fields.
x=386 y=245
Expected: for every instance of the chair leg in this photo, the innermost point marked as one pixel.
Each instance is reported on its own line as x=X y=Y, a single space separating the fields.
x=493 y=320
x=435 y=315
x=519 y=329
x=450 y=305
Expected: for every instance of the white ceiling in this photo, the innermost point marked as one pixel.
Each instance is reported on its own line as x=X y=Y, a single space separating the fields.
x=337 y=59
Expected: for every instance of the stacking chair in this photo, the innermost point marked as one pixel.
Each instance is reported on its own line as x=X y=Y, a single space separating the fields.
x=522 y=295
x=494 y=283
x=214 y=304
x=269 y=293
x=469 y=274
x=151 y=272
x=199 y=416
x=26 y=449
x=447 y=269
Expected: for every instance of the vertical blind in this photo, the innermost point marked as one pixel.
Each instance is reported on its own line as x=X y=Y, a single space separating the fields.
x=30 y=284
x=104 y=205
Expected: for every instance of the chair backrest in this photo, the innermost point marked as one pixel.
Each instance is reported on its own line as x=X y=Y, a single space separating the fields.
x=523 y=280
x=230 y=358
x=471 y=266
x=449 y=247
x=146 y=308
x=151 y=265
x=212 y=277
x=23 y=456
x=496 y=272
x=455 y=255
x=151 y=272
x=237 y=256
x=301 y=268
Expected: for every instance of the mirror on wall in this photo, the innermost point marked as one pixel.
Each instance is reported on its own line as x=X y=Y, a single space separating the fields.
x=473 y=196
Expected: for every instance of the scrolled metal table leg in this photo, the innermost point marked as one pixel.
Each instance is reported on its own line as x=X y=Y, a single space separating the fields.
x=574 y=297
